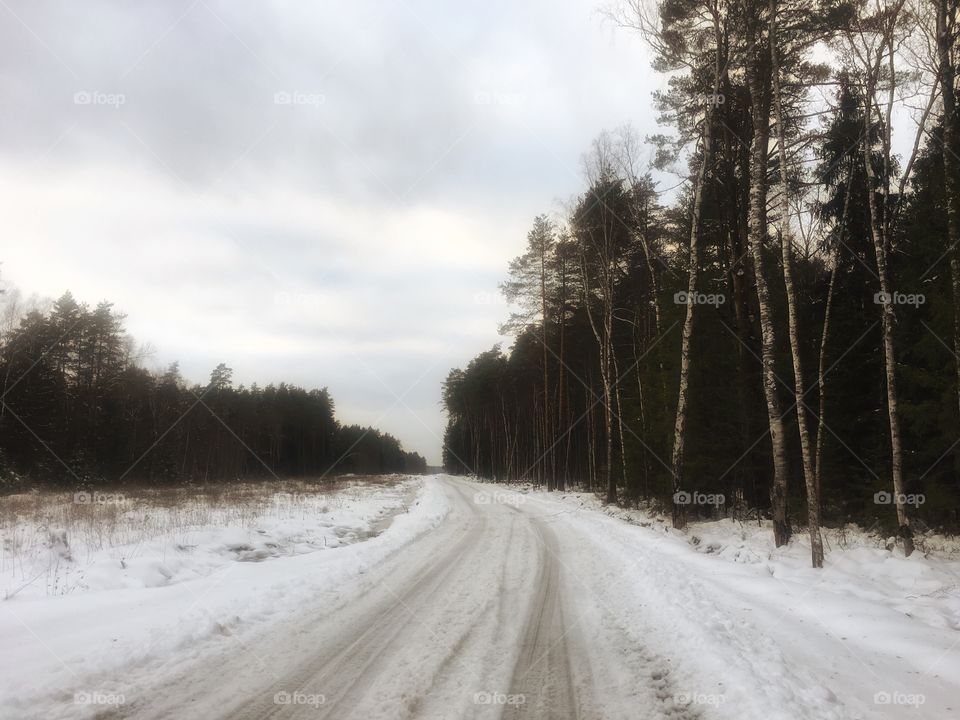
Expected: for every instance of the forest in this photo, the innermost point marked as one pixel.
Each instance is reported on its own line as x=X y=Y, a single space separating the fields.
x=774 y=336
x=80 y=410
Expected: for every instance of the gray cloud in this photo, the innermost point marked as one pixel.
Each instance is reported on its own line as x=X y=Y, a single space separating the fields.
x=353 y=228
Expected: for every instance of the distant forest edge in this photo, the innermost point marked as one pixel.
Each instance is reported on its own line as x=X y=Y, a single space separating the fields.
x=78 y=409
x=784 y=337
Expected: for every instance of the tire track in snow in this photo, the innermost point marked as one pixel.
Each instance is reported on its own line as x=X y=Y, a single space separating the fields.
x=542 y=675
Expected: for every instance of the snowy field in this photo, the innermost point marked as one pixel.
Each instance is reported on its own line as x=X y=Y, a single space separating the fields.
x=441 y=598
x=100 y=582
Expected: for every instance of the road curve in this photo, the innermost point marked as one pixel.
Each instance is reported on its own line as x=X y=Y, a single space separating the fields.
x=470 y=620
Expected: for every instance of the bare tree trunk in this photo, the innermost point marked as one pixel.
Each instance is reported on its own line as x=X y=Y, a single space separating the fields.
x=642 y=408
x=655 y=297
x=786 y=250
x=623 y=446
x=760 y=102
x=608 y=409
x=824 y=337
x=680 y=419
x=604 y=338
x=549 y=464
x=880 y=248
x=563 y=419
x=591 y=432
x=693 y=261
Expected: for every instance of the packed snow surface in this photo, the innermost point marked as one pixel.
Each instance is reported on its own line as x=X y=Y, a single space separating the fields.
x=442 y=598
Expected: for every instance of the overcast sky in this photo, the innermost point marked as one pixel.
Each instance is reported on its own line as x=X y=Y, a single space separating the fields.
x=326 y=193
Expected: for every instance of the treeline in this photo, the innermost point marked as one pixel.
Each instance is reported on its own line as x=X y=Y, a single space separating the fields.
x=783 y=337
x=78 y=409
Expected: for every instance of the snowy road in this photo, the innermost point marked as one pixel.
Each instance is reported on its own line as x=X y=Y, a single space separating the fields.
x=466 y=621
x=487 y=603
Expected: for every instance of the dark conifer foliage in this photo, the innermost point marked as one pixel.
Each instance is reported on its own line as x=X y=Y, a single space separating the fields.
x=598 y=406
x=79 y=409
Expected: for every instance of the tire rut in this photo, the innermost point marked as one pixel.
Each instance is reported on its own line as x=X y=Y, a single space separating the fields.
x=542 y=684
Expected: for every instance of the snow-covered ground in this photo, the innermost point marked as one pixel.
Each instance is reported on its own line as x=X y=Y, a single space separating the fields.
x=70 y=543
x=480 y=601
x=162 y=581
x=754 y=632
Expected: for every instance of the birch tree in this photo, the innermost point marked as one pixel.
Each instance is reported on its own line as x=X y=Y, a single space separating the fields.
x=872 y=41
x=758 y=71
x=786 y=249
